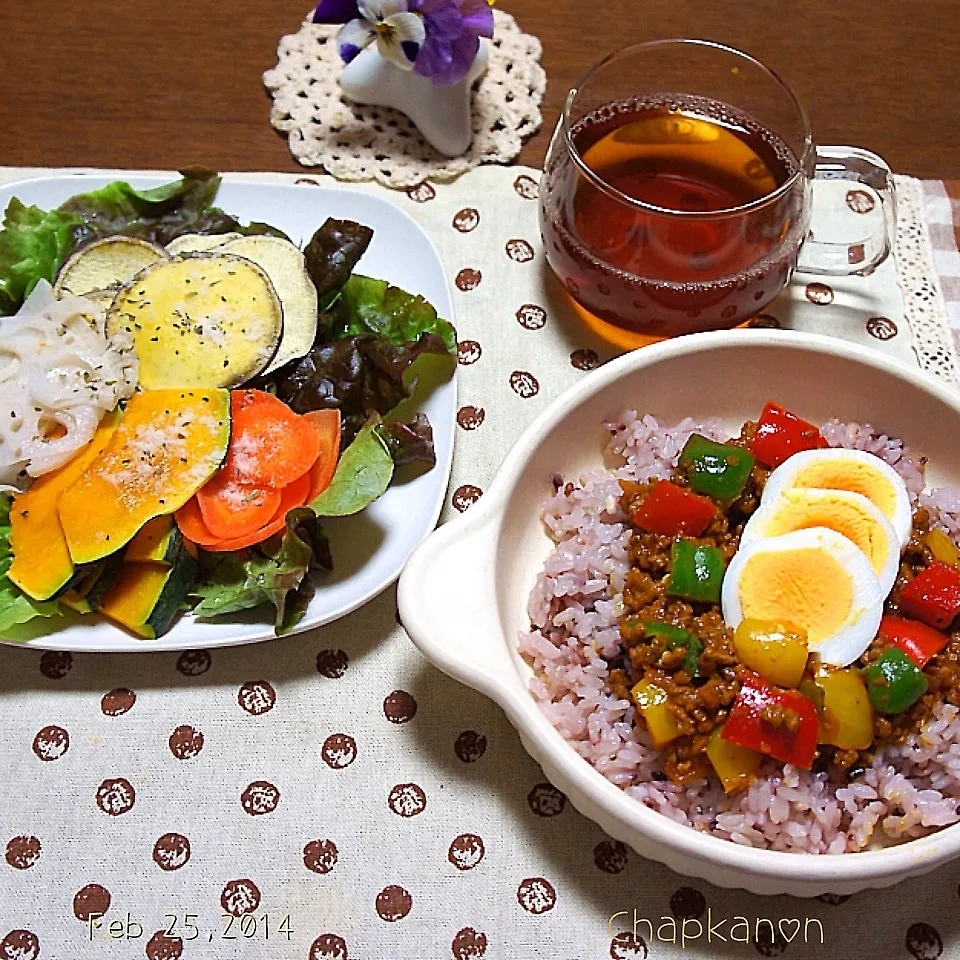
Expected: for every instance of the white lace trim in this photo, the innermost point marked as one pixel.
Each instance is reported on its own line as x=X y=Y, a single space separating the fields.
x=923 y=302
x=357 y=142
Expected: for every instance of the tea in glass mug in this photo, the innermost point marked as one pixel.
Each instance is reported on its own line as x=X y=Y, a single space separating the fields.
x=677 y=191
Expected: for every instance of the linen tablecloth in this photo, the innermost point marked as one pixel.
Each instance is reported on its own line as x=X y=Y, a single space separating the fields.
x=331 y=795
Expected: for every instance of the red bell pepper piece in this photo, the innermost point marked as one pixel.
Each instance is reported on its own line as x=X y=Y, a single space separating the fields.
x=933 y=595
x=747 y=727
x=672 y=511
x=780 y=434
x=918 y=641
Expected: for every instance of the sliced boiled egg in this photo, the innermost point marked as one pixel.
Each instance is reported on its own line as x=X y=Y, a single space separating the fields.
x=850 y=514
x=853 y=470
x=814 y=578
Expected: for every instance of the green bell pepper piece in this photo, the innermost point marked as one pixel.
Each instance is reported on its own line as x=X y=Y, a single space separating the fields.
x=894 y=682
x=678 y=637
x=718 y=470
x=696 y=572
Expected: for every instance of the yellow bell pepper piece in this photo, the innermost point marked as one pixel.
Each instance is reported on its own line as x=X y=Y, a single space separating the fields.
x=942 y=547
x=776 y=650
x=847 y=717
x=652 y=702
x=734 y=765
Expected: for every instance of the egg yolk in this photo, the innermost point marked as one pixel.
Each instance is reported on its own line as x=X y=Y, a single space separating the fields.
x=808 y=587
x=800 y=512
x=852 y=475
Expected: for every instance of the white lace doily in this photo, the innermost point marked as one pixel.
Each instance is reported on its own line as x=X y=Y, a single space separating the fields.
x=358 y=142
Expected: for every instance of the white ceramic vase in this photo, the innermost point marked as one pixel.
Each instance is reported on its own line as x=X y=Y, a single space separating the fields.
x=442 y=114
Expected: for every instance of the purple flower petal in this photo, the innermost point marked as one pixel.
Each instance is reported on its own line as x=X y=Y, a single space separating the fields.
x=335 y=11
x=434 y=58
x=442 y=19
x=349 y=52
x=410 y=49
x=463 y=53
x=352 y=38
x=477 y=17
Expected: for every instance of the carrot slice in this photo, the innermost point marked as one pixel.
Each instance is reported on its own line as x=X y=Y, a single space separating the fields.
x=190 y=521
x=270 y=445
x=293 y=495
x=233 y=509
x=321 y=473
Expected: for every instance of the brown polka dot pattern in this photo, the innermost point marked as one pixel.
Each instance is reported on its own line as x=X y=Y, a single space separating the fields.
x=923 y=942
x=468 y=279
x=328 y=946
x=116 y=796
x=627 y=946
x=192 y=663
x=117 y=702
x=469 y=944
x=20 y=945
x=466 y=220
x=421 y=193
x=470 y=417
x=611 y=856
x=526 y=187
x=465 y=496
x=819 y=293
x=859 y=201
x=239 y=897
x=22 y=852
x=400 y=707
x=186 y=742
x=171 y=851
x=728 y=313
x=468 y=351
x=332 y=664
x=584 y=359
x=91 y=900
x=524 y=384
x=51 y=743
x=257 y=697
x=320 y=856
x=56 y=664
x=545 y=800
x=407 y=800
x=470 y=746
x=536 y=895
x=259 y=797
x=686 y=903
x=393 y=903
x=765 y=321
x=519 y=251
x=769 y=944
x=162 y=947
x=531 y=317
x=338 y=751
x=882 y=328
x=466 y=851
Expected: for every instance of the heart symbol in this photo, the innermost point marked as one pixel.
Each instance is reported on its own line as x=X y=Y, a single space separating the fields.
x=785 y=921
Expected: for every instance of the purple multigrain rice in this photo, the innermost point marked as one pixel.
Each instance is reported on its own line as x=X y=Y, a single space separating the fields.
x=911 y=788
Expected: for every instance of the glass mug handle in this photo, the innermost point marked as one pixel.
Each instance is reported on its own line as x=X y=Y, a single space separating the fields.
x=834 y=258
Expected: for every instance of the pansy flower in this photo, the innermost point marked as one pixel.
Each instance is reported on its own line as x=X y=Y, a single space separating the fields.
x=453 y=31
x=399 y=34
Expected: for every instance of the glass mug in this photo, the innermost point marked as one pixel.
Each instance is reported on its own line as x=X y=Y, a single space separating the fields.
x=677 y=192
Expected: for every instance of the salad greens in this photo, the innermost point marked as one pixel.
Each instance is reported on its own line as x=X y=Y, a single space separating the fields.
x=15 y=606
x=34 y=243
x=378 y=352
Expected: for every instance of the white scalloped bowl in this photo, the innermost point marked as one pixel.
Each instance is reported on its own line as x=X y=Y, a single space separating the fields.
x=463 y=593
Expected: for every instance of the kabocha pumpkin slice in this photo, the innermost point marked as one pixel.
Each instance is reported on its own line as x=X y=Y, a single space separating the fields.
x=42 y=564
x=158 y=541
x=168 y=444
x=284 y=264
x=148 y=596
x=105 y=264
x=87 y=594
x=233 y=509
x=208 y=320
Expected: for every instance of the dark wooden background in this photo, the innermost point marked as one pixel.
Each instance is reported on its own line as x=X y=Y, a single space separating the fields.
x=132 y=83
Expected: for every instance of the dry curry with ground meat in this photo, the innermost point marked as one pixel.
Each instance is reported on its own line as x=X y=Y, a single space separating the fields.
x=716 y=697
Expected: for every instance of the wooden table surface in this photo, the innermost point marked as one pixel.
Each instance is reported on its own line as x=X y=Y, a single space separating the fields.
x=145 y=84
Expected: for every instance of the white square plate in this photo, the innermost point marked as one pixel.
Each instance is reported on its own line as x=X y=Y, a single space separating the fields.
x=368 y=549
